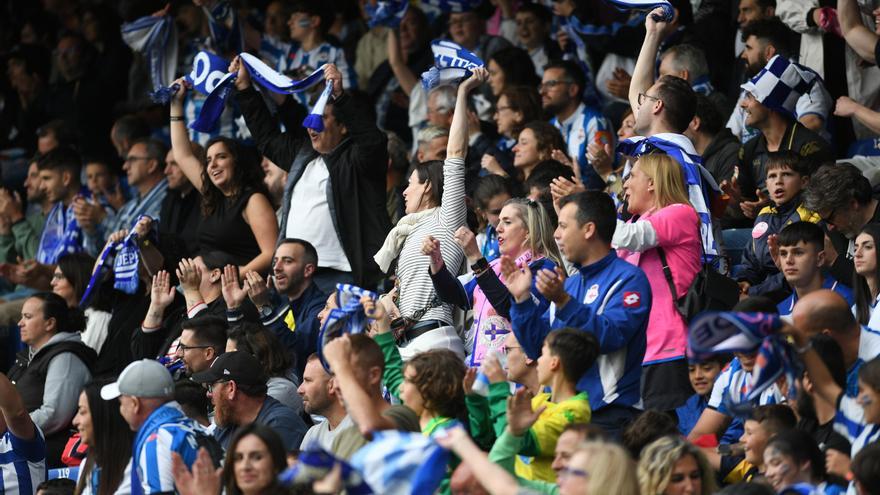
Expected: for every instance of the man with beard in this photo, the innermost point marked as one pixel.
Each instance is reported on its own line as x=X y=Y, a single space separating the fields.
x=321 y=398
x=290 y=310
x=237 y=388
x=562 y=88
x=764 y=39
x=20 y=228
x=769 y=106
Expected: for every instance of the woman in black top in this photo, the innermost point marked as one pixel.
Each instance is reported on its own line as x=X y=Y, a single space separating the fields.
x=237 y=217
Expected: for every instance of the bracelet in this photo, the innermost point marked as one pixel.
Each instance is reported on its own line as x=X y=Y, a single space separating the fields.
x=806 y=347
x=176 y=118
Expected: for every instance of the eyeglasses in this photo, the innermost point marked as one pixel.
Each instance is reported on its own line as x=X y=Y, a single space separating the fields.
x=181 y=347
x=642 y=97
x=566 y=472
x=210 y=386
x=829 y=217
x=552 y=84
x=136 y=158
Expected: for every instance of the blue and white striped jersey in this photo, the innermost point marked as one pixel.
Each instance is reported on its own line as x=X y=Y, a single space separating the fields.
x=586 y=125
x=22 y=463
x=177 y=434
x=732 y=386
x=850 y=422
x=299 y=63
x=869 y=348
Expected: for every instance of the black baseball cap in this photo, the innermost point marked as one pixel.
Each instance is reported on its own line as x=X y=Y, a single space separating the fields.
x=237 y=366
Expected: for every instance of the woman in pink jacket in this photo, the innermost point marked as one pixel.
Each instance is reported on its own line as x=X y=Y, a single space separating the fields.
x=664 y=224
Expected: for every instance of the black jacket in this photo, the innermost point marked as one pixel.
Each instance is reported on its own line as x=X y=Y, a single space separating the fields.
x=357 y=170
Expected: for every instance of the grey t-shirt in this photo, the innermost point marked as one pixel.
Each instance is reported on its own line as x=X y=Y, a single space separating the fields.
x=350 y=440
x=322 y=433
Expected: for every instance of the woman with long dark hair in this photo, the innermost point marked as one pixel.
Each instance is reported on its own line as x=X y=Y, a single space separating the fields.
x=237 y=216
x=435 y=208
x=105 y=470
x=866 y=277
x=253 y=462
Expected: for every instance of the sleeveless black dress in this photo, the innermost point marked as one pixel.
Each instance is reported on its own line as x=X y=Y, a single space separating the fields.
x=225 y=230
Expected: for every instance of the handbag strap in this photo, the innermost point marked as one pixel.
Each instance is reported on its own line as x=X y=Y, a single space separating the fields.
x=667 y=273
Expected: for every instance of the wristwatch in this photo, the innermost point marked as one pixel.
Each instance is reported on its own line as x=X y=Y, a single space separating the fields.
x=480 y=266
x=265 y=311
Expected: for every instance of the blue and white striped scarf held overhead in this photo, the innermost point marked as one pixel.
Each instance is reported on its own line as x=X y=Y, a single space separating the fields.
x=713 y=333
x=452 y=64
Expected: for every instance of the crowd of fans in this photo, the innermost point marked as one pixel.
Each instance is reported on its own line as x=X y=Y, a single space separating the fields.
x=524 y=246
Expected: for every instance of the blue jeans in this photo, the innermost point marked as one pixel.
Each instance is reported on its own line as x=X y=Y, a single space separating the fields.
x=327 y=278
x=735 y=241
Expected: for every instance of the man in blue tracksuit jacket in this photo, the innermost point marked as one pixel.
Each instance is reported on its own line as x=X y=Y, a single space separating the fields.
x=608 y=297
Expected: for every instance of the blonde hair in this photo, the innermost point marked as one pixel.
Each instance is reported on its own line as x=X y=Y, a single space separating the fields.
x=659 y=458
x=537 y=222
x=612 y=470
x=669 y=183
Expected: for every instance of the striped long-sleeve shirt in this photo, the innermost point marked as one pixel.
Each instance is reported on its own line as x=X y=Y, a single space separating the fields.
x=416 y=289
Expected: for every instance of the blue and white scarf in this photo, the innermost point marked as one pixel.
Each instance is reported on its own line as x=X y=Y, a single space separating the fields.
x=124 y=258
x=207 y=71
x=713 y=333
x=61 y=235
x=452 y=6
x=452 y=63
x=699 y=181
x=386 y=13
x=402 y=462
x=263 y=75
x=348 y=318
x=646 y=6
x=156 y=39
x=313 y=464
x=125 y=265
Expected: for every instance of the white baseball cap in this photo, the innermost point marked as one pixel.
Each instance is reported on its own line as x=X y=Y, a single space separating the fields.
x=144 y=378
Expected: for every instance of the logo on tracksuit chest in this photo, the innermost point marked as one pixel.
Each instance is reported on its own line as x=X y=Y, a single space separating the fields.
x=592 y=294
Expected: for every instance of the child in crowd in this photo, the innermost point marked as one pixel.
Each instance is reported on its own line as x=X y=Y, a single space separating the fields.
x=764 y=422
x=702 y=375
x=801 y=258
x=103 y=183
x=309 y=24
x=566 y=355
x=787 y=176
x=733 y=385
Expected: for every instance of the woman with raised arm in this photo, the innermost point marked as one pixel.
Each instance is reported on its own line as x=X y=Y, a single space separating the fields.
x=435 y=207
x=237 y=216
